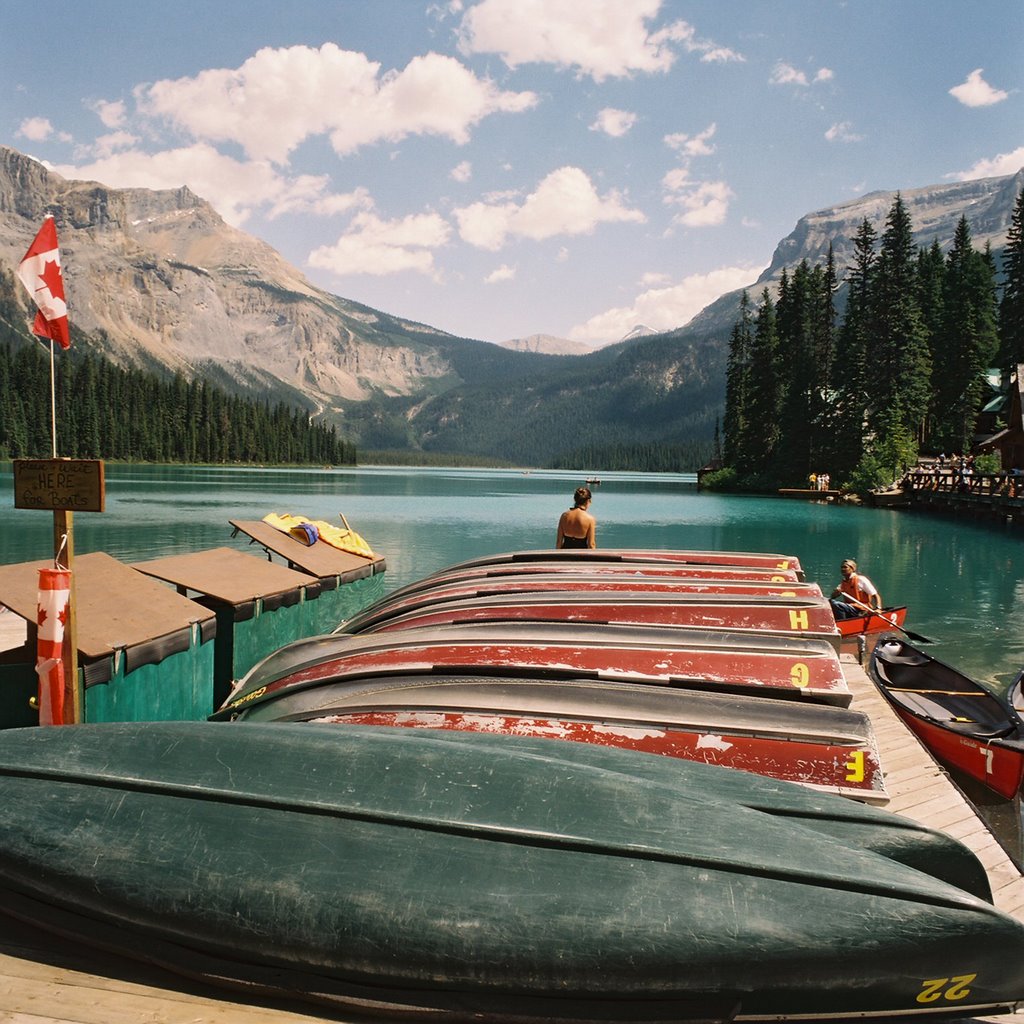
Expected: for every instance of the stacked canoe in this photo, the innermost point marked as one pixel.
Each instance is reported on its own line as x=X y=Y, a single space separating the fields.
x=542 y=786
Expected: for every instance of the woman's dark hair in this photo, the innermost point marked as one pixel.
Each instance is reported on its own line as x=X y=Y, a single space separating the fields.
x=581 y=496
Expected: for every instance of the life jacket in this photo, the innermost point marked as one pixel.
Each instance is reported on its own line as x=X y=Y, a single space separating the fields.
x=851 y=588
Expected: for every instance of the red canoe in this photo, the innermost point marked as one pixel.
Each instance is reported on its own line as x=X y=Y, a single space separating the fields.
x=963 y=723
x=783 y=616
x=620 y=570
x=875 y=623
x=576 y=582
x=859 y=635
x=827 y=748
x=752 y=664
x=747 y=559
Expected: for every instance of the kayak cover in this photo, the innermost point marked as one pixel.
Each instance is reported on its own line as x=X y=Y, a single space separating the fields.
x=336 y=536
x=469 y=877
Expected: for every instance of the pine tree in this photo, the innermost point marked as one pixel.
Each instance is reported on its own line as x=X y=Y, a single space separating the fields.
x=737 y=388
x=766 y=390
x=902 y=364
x=1011 y=308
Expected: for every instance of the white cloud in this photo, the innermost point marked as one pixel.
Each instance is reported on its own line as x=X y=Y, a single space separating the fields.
x=564 y=203
x=976 y=92
x=235 y=188
x=35 y=129
x=502 y=273
x=112 y=113
x=994 y=167
x=461 y=172
x=786 y=74
x=613 y=122
x=599 y=38
x=304 y=92
x=693 y=145
x=842 y=131
x=105 y=145
x=703 y=205
x=663 y=309
x=379 y=247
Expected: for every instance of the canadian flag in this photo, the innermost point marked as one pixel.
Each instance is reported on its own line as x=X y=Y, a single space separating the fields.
x=40 y=274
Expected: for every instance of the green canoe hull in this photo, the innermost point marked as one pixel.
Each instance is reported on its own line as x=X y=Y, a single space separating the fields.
x=465 y=876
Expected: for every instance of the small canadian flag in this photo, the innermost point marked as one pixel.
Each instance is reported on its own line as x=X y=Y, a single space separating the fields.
x=40 y=273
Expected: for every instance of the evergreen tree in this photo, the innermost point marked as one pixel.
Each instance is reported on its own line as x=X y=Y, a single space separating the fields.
x=1011 y=308
x=766 y=389
x=823 y=341
x=967 y=342
x=797 y=354
x=854 y=356
x=902 y=363
x=737 y=388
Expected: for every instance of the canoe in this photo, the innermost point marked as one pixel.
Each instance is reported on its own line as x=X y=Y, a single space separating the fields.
x=448 y=590
x=472 y=877
x=748 y=559
x=828 y=748
x=621 y=570
x=783 y=616
x=873 y=623
x=962 y=722
x=800 y=668
x=859 y=635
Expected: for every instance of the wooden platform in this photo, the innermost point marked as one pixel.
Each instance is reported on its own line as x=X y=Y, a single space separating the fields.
x=44 y=980
x=808 y=494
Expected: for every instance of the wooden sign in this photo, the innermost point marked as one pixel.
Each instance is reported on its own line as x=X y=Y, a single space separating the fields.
x=60 y=485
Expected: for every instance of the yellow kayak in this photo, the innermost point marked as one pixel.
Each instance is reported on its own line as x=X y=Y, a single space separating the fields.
x=342 y=538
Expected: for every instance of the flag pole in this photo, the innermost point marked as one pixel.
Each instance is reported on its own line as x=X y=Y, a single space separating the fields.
x=53 y=401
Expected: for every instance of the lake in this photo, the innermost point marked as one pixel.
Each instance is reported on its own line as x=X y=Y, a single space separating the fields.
x=963 y=580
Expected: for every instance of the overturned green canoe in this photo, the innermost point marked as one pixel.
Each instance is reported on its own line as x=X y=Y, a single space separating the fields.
x=465 y=876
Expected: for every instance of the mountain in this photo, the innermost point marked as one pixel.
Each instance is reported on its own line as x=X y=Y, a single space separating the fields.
x=640 y=331
x=547 y=344
x=161 y=281
x=934 y=212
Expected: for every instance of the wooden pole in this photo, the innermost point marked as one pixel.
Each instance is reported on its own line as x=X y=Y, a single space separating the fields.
x=64 y=557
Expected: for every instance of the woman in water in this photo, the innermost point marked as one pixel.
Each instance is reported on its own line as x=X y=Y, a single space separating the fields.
x=576 y=525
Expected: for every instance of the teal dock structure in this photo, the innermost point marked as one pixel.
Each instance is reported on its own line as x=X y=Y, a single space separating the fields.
x=259 y=605
x=145 y=653
x=331 y=567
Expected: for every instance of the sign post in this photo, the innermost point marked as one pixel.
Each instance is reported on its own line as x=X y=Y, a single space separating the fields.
x=64 y=486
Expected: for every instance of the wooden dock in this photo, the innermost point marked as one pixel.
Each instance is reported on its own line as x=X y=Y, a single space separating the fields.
x=44 y=980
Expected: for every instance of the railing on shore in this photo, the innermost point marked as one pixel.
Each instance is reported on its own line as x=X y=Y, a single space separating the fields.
x=1000 y=494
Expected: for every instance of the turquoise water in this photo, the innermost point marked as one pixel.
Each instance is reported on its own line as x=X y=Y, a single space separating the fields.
x=962 y=580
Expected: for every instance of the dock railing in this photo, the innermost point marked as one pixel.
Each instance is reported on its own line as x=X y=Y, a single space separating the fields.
x=1004 y=484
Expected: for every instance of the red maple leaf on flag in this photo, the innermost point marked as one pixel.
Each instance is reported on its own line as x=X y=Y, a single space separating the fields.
x=53 y=279
x=40 y=615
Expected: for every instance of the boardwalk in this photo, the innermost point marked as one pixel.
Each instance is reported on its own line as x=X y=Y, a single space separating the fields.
x=47 y=981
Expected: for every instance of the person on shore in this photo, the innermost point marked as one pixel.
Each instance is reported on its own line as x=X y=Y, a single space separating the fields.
x=576 y=526
x=855 y=593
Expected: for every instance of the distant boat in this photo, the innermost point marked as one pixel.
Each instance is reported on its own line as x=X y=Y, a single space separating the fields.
x=414 y=874
x=593 y=481
x=963 y=723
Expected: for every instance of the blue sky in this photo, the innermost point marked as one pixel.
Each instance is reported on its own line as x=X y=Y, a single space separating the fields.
x=500 y=168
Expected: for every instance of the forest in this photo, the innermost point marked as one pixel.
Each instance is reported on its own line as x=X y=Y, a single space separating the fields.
x=903 y=371
x=107 y=412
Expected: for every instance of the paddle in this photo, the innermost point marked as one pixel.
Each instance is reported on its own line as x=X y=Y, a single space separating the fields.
x=892 y=622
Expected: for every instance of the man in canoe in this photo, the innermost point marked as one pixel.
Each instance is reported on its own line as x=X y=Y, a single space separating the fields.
x=576 y=526
x=855 y=595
